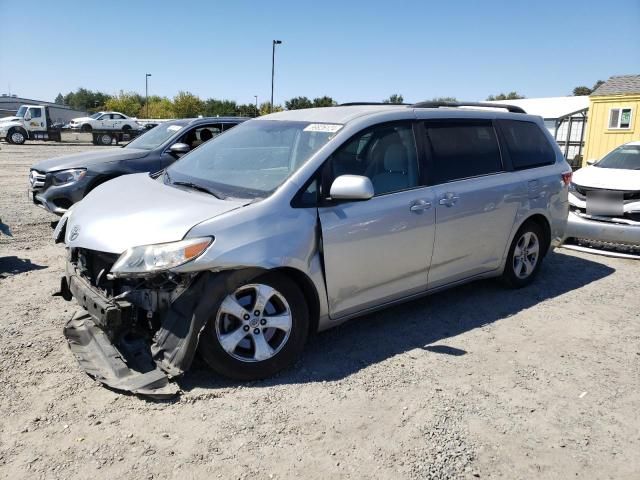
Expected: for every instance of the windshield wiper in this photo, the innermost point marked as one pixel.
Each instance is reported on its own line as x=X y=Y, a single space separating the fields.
x=200 y=188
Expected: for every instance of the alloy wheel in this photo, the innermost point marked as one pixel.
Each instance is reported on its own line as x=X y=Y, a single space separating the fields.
x=253 y=323
x=526 y=254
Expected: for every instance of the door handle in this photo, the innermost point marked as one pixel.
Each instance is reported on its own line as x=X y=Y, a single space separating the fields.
x=420 y=206
x=449 y=199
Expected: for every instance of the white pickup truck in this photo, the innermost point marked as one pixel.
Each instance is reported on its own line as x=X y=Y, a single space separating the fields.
x=105 y=121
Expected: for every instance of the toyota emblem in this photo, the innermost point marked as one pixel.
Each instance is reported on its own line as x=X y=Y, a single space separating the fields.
x=75 y=231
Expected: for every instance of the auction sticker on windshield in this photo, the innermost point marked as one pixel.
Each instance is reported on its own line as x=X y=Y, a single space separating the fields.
x=323 y=127
x=174 y=128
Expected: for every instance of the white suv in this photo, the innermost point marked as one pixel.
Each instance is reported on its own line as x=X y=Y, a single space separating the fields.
x=105 y=121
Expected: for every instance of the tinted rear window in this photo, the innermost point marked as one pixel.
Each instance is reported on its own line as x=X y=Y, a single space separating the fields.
x=528 y=147
x=462 y=150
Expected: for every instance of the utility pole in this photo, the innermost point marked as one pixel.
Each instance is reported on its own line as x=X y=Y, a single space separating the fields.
x=273 y=63
x=146 y=92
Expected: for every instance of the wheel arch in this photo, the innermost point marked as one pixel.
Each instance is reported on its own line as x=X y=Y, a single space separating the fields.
x=308 y=290
x=541 y=220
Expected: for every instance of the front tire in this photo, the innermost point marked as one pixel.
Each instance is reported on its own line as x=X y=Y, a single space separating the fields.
x=17 y=136
x=86 y=128
x=525 y=256
x=257 y=330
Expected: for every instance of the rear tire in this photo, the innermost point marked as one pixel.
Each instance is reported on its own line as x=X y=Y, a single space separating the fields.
x=241 y=345
x=525 y=256
x=105 y=139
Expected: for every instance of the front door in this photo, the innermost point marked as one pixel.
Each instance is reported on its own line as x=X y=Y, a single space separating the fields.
x=378 y=250
x=36 y=122
x=476 y=200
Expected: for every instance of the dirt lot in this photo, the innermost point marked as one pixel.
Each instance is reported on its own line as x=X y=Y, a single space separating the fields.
x=475 y=382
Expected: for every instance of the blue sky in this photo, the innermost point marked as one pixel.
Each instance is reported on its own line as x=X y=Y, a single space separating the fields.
x=364 y=50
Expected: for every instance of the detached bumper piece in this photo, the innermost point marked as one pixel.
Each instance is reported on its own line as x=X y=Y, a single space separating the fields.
x=129 y=368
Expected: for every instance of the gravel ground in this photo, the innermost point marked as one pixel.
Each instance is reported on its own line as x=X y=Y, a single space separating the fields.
x=475 y=382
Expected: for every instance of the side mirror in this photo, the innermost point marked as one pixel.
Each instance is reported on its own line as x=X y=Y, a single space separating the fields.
x=27 y=116
x=179 y=148
x=592 y=161
x=351 y=187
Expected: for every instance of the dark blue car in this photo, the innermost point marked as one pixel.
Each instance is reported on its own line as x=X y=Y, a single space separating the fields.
x=58 y=183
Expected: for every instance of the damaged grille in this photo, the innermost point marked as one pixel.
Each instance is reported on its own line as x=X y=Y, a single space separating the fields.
x=94 y=266
x=627 y=195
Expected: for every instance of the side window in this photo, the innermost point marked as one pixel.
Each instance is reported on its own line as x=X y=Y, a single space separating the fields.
x=117 y=116
x=35 y=112
x=528 y=147
x=384 y=153
x=104 y=117
x=461 y=149
x=619 y=118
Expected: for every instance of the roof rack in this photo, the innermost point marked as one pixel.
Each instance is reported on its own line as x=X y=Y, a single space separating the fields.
x=354 y=104
x=510 y=108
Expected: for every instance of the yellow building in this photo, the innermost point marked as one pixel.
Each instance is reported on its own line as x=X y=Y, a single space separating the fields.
x=614 y=115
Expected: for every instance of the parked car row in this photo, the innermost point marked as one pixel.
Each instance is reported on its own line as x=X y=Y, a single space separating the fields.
x=289 y=224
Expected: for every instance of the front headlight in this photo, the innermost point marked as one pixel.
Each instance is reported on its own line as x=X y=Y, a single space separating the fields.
x=68 y=176
x=147 y=259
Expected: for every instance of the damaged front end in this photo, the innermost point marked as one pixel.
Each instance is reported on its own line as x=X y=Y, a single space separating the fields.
x=134 y=334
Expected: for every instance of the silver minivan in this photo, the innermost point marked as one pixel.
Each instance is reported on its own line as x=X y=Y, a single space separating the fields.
x=294 y=222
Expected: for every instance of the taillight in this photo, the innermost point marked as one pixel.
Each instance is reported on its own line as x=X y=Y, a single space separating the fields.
x=566 y=178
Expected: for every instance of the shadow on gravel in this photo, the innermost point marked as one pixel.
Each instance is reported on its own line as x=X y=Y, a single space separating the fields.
x=15 y=265
x=346 y=349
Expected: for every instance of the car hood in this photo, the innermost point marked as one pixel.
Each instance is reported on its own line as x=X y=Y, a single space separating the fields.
x=87 y=159
x=608 y=178
x=137 y=210
x=9 y=119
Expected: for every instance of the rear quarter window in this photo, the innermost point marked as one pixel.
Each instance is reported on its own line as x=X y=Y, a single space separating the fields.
x=526 y=144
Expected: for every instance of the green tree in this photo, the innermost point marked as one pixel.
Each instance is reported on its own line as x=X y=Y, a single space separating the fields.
x=247 y=110
x=214 y=107
x=159 y=107
x=505 y=96
x=265 y=108
x=83 y=99
x=582 y=90
x=59 y=99
x=396 y=98
x=186 y=104
x=128 y=103
x=297 y=103
x=324 y=102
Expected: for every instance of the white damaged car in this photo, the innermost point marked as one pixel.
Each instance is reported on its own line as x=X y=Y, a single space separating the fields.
x=604 y=201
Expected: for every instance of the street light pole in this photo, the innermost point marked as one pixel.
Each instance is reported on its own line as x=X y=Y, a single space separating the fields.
x=256 y=96
x=273 y=63
x=146 y=91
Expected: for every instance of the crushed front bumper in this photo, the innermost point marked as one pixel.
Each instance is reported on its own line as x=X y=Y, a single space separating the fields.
x=603 y=235
x=128 y=365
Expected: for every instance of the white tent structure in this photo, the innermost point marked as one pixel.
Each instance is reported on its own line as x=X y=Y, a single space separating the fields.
x=564 y=117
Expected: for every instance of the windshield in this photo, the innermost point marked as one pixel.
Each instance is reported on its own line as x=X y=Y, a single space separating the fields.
x=254 y=158
x=155 y=137
x=95 y=115
x=21 y=111
x=625 y=157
